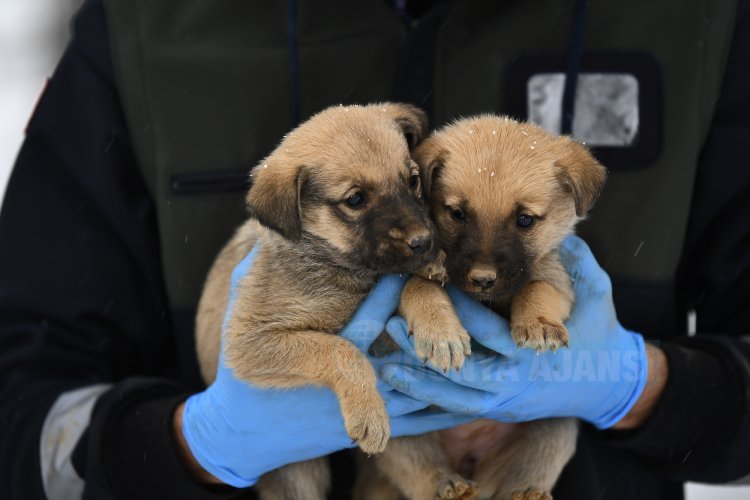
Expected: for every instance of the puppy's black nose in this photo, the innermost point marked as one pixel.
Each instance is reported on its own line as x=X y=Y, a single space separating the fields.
x=419 y=239
x=420 y=243
x=483 y=278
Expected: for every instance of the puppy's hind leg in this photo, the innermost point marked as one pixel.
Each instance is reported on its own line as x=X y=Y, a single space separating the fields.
x=371 y=484
x=419 y=468
x=309 y=480
x=529 y=466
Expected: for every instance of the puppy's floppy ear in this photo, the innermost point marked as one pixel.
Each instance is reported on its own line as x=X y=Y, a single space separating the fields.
x=412 y=121
x=274 y=198
x=581 y=174
x=430 y=159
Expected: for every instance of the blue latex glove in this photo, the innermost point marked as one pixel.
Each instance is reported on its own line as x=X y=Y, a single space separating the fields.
x=597 y=379
x=238 y=432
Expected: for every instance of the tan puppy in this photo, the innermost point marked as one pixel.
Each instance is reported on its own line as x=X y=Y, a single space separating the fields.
x=503 y=196
x=336 y=205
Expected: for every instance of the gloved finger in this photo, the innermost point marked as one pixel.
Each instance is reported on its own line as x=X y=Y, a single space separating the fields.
x=241 y=270
x=484 y=325
x=426 y=385
x=397 y=357
x=383 y=299
x=480 y=371
x=399 y=332
x=400 y=356
x=487 y=373
x=397 y=403
x=584 y=271
x=369 y=319
x=425 y=421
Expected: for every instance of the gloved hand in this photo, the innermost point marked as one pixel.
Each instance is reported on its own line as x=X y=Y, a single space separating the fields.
x=597 y=379
x=238 y=432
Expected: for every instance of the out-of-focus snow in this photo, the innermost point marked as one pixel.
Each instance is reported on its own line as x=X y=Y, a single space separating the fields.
x=33 y=34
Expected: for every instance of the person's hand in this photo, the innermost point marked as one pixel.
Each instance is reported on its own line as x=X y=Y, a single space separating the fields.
x=598 y=378
x=237 y=432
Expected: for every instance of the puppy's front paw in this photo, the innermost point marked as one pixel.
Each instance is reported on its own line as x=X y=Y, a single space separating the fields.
x=441 y=341
x=530 y=494
x=539 y=333
x=455 y=487
x=367 y=423
x=435 y=270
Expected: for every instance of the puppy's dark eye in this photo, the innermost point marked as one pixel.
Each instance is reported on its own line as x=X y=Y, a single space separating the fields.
x=355 y=199
x=414 y=181
x=458 y=214
x=525 y=221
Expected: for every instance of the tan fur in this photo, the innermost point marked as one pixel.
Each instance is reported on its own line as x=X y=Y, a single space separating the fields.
x=438 y=337
x=318 y=257
x=310 y=480
x=493 y=169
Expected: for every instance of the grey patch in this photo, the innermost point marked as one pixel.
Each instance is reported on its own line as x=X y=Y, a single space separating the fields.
x=606 y=107
x=692 y=323
x=65 y=423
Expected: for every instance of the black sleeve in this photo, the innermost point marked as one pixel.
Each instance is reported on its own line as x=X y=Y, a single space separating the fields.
x=81 y=296
x=700 y=429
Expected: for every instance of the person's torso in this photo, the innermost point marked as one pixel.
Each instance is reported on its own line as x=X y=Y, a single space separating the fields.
x=209 y=89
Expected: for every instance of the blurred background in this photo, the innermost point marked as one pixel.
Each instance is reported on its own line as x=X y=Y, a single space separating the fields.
x=33 y=35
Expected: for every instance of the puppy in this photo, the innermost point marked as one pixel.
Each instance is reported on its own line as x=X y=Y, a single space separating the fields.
x=335 y=206
x=503 y=196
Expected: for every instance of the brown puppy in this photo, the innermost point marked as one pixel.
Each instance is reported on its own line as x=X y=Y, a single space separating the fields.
x=336 y=205
x=503 y=196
